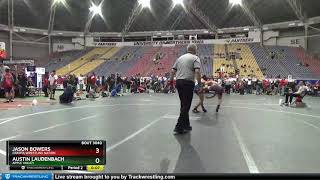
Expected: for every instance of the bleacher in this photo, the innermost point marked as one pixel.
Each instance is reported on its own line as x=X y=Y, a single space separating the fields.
x=248 y=60
x=220 y=61
x=106 y=54
x=164 y=65
x=205 y=52
x=61 y=59
x=120 y=61
x=312 y=61
x=91 y=55
x=138 y=53
x=144 y=63
x=289 y=61
x=140 y=60
x=264 y=60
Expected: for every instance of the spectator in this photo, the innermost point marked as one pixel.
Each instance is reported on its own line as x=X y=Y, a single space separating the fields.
x=81 y=83
x=228 y=85
x=91 y=82
x=45 y=85
x=7 y=83
x=258 y=87
x=301 y=89
x=22 y=84
x=2 y=69
x=317 y=88
x=65 y=82
x=52 y=84
x=98 y=81
x=249 y=86
x=283 y=84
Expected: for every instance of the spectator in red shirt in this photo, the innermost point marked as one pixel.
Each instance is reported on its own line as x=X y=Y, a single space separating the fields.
x=283 y=84
x=91 y=82
x=45 y=85
x=266 y=85
x=94 y=79
x=7 y=84
x=60 y=80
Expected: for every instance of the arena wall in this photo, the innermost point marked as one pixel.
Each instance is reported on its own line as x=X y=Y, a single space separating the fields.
x=314 y=45
x=4 y=37
x=26 y=49
x=276 y=38
x=61 y=44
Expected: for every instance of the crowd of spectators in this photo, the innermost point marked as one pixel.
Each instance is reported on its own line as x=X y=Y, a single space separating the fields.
x=22 y=85
x=267 y=86
x=115 y=84
x=112 y=85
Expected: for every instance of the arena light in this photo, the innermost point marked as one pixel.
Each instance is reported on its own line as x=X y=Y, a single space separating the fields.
x=292 y=24
x=95 y=9
x=177 y=2
x=59 y=2
x=145 y=3
x=235 y=2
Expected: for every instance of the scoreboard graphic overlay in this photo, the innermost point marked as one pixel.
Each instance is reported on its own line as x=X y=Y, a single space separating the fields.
x=56 y=155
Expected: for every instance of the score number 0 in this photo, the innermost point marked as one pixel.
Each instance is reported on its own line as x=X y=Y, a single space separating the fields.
x=97 y=152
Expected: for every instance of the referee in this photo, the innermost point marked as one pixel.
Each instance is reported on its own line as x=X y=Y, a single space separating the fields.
x=186 y=69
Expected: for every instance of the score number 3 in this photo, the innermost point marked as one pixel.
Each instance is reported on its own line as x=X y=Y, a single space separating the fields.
x=97 y=152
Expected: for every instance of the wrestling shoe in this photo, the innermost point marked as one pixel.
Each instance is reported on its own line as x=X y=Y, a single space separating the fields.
x=195 y=111
x=189 y=128
x=217 y=109
x=179 y=131
x=285 y=104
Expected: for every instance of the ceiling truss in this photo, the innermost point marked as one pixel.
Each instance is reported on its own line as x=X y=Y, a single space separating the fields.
x=204 y=19
x=253 y=17
x=178 y=20
x=297 y=8
x=51 y=17
x=134 y=13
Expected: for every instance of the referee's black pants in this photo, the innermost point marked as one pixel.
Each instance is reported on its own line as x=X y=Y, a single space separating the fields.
x=185 y=89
